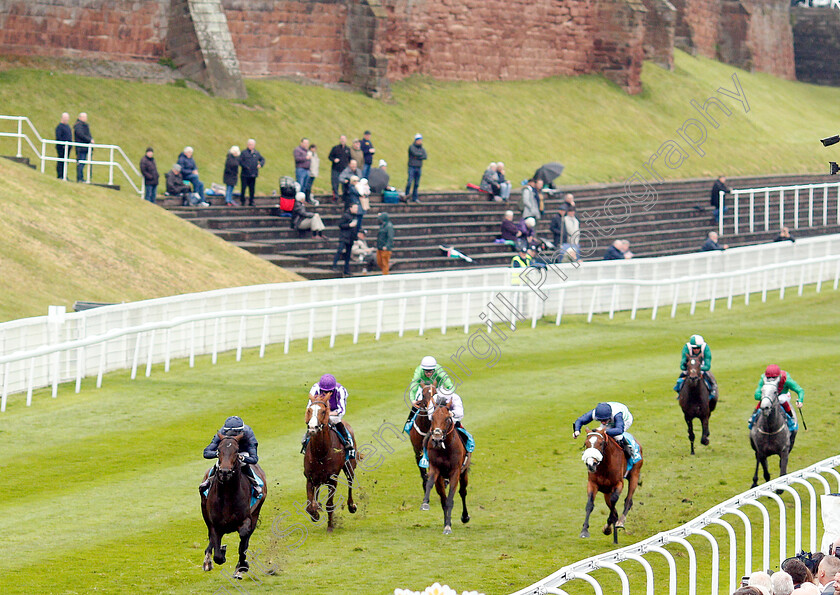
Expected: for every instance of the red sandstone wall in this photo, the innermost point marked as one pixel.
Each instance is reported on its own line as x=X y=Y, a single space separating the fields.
x=770 y=37
x=114 y=29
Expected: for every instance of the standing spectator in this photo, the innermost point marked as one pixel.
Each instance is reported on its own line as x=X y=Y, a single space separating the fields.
x=251 y=163
x=784 y=236
x=367 y=152
x=189 y=171
x=363 y=253
x=620 y=250
x=314 y=170
x=81 y=134
x=711 y=243
x=63 y=133
x=569 y=199
x=348 y=172
x=714 y=199
x=504 y=185
x=339 y=159
x=384 y=243
x=231 y=176
x=357 y=153
x=416 y=156
x=149 y=171
x=569 y=236
x=348 y=226
x=557 y=227
x=826 y=572
x=378 y=178
x=531 y=199
x=302 y=163
x=303 y=220
x=781 y=583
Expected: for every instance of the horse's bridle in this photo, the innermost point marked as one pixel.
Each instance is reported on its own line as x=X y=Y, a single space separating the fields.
x=774 y=400
x=449 y=420
x=320 y=402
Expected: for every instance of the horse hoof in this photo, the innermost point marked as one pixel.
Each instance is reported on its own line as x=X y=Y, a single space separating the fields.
x=237 y=575
x=606 y=530
x=584 y=534
x=465 y=519
x=447 y=530
x=208 y=566
x=692 y=452
x=704 y=441
x=424 y=506
x=619 y=525
x=351 y=508
x=329 y=529
x=315 y=515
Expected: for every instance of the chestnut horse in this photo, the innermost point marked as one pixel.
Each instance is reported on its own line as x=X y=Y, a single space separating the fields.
x=694 y=400
x=227 y=506
x=446 y=454
x=606 y=462
x=420 y=427
x=324 y=460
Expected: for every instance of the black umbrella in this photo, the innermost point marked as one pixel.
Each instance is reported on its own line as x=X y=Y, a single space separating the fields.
x=548 y=172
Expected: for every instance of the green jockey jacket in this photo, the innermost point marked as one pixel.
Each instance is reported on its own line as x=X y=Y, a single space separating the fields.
x=439 y=376
x=790 y=385
x=707 y=358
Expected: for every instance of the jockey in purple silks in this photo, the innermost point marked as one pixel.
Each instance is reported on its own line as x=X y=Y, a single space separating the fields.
x=327 y=386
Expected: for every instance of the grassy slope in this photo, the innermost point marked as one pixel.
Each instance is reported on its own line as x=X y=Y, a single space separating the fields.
x=100 y=494
x=61 y=242
x=598 y=131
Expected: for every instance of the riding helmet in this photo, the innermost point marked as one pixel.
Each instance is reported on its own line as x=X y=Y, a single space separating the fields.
x=327 y=382
x=603 y=411
x=428 y=363
x=696 y=341
x=772 y=371
x=234 y=423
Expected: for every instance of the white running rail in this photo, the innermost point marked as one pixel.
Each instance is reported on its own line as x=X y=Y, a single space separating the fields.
x=731 y=549
x=62 y=347
x=822 y=199
x=116 y=158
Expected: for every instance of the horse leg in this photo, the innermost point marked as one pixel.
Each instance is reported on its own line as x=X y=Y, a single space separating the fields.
x=331 y=485
x=611 y=499
x=755 y=475
x=462 y=490
x=633 y=482
x=690 y=423
x=244 y=538
x=783 y=461
x=217 y=547
x=764 y=467
x=350 y=472
x=704 y=439
x=590 y=505
x=431 y=479
x=450 y=500
x=212 y=543
x=312 y=501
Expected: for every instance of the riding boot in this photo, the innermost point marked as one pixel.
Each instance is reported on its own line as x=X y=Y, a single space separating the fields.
x=628 y=449
x=678 y=385
x=304 y=441
x=205 y=485
x=466 y=437
x=349 y=451
x=252 y=477
x=410 y=421
x=751 y=421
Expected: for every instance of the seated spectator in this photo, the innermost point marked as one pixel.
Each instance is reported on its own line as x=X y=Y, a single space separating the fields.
x=531 y=198
x=528 y=237
x=711 y=243
x=510 y=231
x=803 y=580
x=189 y=171
x=303 y=220
x=231 y=174
x=490 y=183
x=378 y=178
x=504 y=184
x=175 y=186
x=352 y=169
x=781 y=583
x=361 y=252
x=619 y=250
x=784 y=236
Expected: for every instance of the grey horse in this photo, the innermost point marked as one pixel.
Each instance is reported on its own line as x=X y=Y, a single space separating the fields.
x=770 y=434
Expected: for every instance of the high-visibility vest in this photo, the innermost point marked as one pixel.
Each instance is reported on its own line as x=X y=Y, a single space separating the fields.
x=518 y=264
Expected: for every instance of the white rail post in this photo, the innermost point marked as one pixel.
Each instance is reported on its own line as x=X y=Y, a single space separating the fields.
x=676 y=299
x=288 y=337
x=422 y=315
x=764 y=277
x=648 y=571
x=135 y=357
x=766 y=534
x=752 y=211
x=655 y=302
x=192 y=345
x=801 y=279
x=5 y=395
x=111 y=168
x=825 y=204
x=733 y=552
x=796 y=208
x=837 y=275
x=31 y=383
x=695 y=287
x=43 y=155
x=444 y=307
x=782 y=288
x=748 y=544
x=20 y=138
x=635 y=302
x=692 y=564
x=766 y=210
x=403 y=308
x=781 y=208
x=782 y=523
x=810 y=205
x=167 y=349
x=812 y=511
x=712 y=297
x=240 y=338
x=720 y=213
x=715 y=558
x=672 y=567
x=820 y=276
x=380 y=306
x=561 y=295
x=357 y=316
x=734 y=210
x=592 y=303
x=797 y=518
x=334 y=321
x=466 y=309
x=103 y=356
x=151 y=352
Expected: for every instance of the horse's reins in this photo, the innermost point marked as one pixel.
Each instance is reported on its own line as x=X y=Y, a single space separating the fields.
x=448 y=432
x=775 y=400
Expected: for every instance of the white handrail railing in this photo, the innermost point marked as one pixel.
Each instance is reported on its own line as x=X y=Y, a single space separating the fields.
x=796 y=191
x=40 y=150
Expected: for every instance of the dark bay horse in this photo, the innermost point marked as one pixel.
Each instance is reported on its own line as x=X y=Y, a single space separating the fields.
x=446 y=453
x=694 y=400
x=324 y=460
x=770 y=434
x=606 y=462
x=227 y=508
x=420 y=427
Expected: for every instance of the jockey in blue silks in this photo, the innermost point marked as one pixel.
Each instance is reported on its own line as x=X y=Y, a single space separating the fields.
x=247 y=447
x=617 y=419
x=327 y=386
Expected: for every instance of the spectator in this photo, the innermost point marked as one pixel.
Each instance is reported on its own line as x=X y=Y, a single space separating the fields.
x=149 y=171
x=356 y=152
x=189 y=171
x=490 y=183
x=81 y=134
x=826 y=574
x=510 y=231
x=251 y=162
x=530 y=199
x=363 y=253
x=784 y=236
x=303 y=220
x=566 y=230
x=339 y=159
x=748 y=591
x=175 y=186
x=803 y=580
x=714 y=199
x=354 y=197
x=556 y=226
x=367 y=154
x=569 y=200
x=711 y=243
x=619 y=250
x=302 y=163
x=504 y=185
x=314 y=170
x=781 y=583
x=348 y=226
x=384 y=243
x=351 y=170
x=63 y=133
x=526 y=226
x=416 y=156
x=761 y=581
x=378 y=178
x=231 y=176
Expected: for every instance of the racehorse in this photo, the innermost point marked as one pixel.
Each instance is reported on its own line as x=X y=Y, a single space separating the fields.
x=606 y=462
x=446 y=454
x=770 y=434
x=694 y=400
x=324 y=460
x=227 y=506
x=420 y=427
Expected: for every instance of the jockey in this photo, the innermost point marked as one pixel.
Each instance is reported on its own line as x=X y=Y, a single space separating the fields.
x=617 y=419
x=697 y=347
x=327 y=386
x=784 y=384
x=453 y=401
x=247 y=446
x=428 y=372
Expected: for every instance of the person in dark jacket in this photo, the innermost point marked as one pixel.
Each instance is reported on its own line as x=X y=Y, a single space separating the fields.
x=247 y=446
x=416 y=156
x=339 y=159
x=148 y=168
x=711 y=243
x=189 y=171
x=510 y=232
x=367 y=154
x=175 y=185
x=63 y=133
x=348 y=172
x=714 y=199
x=384 y=243
x=231 y=176
x=303 y=220
x=784 y=236
x=81 y=134
x=620 y=250
x=558 y=230
x=251 y=162
x=349 y=231
x=378 y=178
